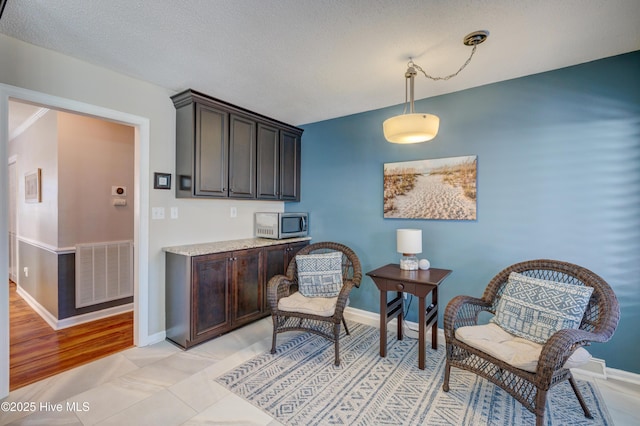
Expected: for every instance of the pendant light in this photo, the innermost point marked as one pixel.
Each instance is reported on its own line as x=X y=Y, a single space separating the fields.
x=421 y=127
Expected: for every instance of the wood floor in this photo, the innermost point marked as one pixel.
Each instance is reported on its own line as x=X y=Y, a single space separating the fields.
x=37 y=351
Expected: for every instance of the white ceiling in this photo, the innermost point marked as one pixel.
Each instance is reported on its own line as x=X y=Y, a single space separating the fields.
x=303 y=61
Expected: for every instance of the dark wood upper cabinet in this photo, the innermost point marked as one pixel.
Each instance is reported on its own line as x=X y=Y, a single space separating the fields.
x=212 y=152
x=268 y=170
x=242 y=157
x=289 y=166
x=226 y=151
x=278 y=164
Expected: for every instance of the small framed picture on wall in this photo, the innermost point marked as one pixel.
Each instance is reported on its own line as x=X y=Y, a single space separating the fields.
x=161 y=180
x=32 y=186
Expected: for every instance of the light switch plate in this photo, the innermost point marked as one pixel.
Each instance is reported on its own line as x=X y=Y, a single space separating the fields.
x=157 y=213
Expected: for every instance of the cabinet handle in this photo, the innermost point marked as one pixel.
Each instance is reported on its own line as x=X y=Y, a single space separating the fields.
x=400 y=286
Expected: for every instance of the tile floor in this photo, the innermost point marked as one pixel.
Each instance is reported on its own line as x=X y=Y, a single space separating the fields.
x=163 y=385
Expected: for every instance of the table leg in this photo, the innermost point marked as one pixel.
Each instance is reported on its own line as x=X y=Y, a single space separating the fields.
x=383 y=323
x=434 y=327
x=400 y=318
x=421 y=332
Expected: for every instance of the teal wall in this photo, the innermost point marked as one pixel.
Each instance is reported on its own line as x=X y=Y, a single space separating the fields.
x=558 y=177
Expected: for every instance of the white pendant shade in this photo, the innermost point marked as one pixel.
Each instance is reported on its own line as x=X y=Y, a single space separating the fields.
x=411 y=128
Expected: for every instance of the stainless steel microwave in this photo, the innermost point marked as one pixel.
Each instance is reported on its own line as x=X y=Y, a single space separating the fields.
x=281 y=225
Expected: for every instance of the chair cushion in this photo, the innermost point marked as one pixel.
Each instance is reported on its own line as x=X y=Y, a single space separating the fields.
x=320 y=275
x=535 y=309
x=297 y=302
x=516 y=351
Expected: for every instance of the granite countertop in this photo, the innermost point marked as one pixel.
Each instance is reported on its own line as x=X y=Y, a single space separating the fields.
x=231 y=245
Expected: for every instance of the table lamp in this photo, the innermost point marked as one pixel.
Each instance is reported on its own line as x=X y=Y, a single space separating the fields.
x=409 y=243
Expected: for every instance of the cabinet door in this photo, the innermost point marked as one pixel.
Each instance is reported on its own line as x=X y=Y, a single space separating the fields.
x=210 y=309
x=268 y=162
x=292 y=250
x=276 y=259
x=248 y=286
x=242 y=157
x=274 y=264
x=211 y=154
x=289 y=166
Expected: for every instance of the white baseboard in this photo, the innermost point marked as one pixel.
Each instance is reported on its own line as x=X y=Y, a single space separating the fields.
x=594 y=368
x=371 y=318
x=57 y=324
x=623 y=376
x=155 y=338
x=37 y=307
x=92 y=316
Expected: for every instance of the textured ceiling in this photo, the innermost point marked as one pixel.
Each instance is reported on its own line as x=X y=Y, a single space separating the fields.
x=303 y=61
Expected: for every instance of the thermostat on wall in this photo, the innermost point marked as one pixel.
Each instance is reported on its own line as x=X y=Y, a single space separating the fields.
x=119 y=191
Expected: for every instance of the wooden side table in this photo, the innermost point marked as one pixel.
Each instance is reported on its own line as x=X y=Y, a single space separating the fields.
x=419 y=283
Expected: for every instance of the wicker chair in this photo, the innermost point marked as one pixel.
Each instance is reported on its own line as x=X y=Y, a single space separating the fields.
x=284 y=285
x=530 y=388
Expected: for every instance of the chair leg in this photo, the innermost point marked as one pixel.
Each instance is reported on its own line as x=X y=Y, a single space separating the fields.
x=336 y=339
x=346 y=330
x=541 y=400
x=540 y=419
x=275 y=333
x=447 y=372
x=583 y=404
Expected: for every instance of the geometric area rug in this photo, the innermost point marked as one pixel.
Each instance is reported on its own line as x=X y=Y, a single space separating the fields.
x=300 y=385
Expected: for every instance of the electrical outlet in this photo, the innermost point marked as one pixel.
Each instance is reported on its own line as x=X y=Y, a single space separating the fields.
x=26 y=271
x=234 y=212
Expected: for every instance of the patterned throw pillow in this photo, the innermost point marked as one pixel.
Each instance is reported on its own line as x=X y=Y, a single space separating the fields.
x=535 y=309
x=320 y=275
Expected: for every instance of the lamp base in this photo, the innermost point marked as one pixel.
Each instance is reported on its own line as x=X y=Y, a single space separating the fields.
x=409 y=262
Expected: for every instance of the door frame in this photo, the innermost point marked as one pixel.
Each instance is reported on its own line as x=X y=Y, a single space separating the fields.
x=13 y=161
x=141 y=210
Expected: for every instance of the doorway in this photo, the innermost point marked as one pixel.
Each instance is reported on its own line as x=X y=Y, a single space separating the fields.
x=79 y=159
x=141 y=208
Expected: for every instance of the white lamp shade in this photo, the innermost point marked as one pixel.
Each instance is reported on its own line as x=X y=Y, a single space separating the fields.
x=411 y=128
x=409 y=241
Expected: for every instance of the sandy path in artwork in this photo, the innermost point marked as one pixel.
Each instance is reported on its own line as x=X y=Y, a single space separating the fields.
x=431 y=198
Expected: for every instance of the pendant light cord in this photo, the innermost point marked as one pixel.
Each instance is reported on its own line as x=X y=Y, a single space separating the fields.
x=419 y=68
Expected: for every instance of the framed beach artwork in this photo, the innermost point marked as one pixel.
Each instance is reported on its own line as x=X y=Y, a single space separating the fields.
x=442 y=188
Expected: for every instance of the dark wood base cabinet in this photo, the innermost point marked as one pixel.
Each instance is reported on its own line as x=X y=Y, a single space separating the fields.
x=209 y=295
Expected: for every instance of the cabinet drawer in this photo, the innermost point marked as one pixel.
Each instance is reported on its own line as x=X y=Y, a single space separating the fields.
x=391 y=285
